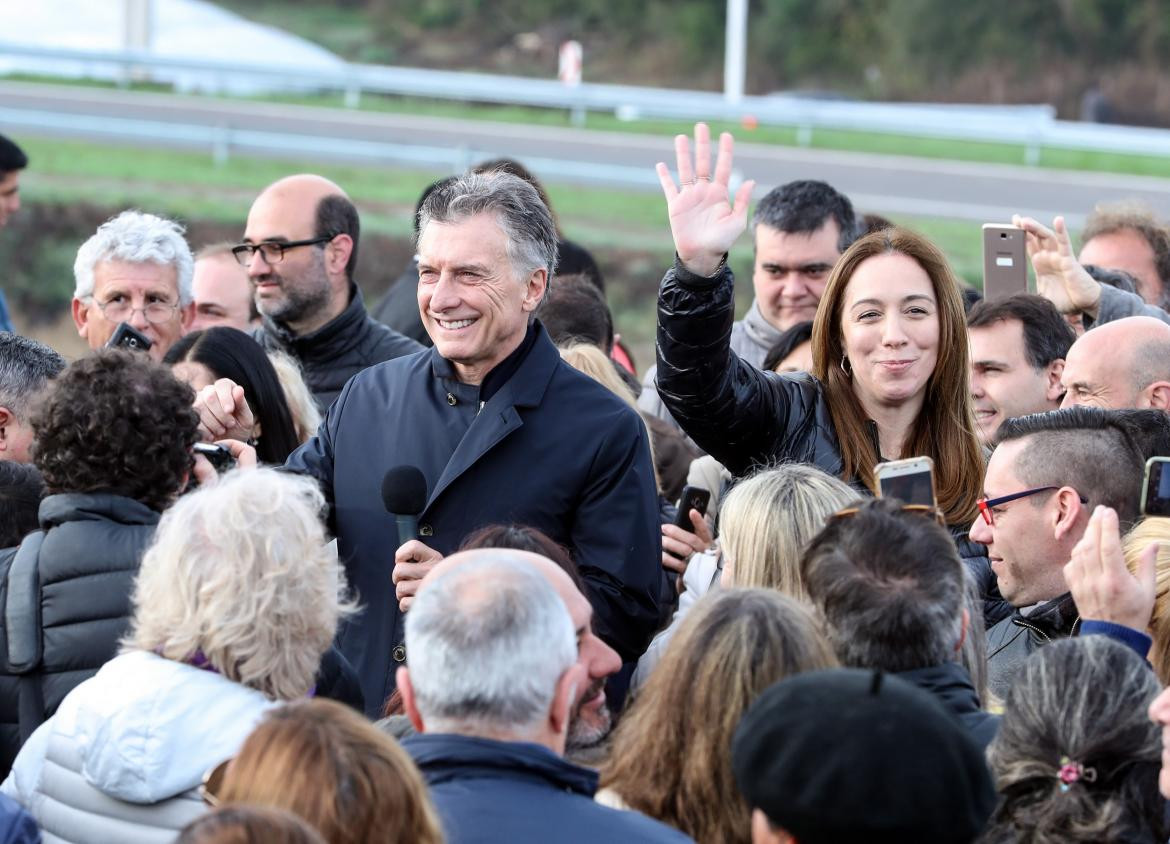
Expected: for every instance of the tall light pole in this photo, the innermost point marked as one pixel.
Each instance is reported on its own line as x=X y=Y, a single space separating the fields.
x=735 y=51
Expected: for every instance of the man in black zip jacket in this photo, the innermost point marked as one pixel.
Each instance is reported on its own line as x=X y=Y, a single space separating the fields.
x=300 y=250
x=1046 y=476
x=890 y=587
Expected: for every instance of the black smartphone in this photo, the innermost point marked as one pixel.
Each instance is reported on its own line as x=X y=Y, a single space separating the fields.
x=910 y=481
x=219 y=457
x=126 y=336
x=692 y=498
x=1156 y=487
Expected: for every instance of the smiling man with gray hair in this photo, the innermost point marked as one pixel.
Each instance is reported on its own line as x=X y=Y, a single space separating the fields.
x=501 y=429
x=491 y=685
x=137 y=269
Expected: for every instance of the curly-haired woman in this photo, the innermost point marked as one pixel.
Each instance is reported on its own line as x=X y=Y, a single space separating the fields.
x=113 y=442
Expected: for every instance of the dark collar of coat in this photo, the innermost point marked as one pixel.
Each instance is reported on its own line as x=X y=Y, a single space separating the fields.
x=528 y=384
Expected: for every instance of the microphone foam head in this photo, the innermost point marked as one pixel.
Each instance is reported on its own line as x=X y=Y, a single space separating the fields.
x=404 y=490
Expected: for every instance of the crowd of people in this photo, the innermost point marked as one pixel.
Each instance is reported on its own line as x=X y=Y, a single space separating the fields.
x=280 y=568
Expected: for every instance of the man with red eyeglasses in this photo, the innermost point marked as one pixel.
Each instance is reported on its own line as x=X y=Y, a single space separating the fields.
x=1048 y=473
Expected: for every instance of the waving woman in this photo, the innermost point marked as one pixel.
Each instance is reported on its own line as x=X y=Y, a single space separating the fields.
x=890 y=356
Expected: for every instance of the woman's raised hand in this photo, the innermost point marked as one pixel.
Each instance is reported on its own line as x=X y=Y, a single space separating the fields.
x=703 y=221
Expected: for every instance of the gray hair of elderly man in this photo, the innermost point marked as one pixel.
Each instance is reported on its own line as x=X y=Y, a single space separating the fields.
x=488 y=644
x=135 y=237
x=517 y=207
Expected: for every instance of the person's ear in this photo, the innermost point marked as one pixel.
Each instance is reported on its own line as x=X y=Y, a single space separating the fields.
x=337 y=255
x=534 y=289
x=1157 y=395
x=186 y=316
x=574 y=678
x=402 y=677
x=1068 y=511
x=964 y=626
x=80 y=311
x=7 y=420
x=1053 y=391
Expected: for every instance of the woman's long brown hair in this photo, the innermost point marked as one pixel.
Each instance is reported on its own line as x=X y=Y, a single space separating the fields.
x=671 y=756
x=945 y=428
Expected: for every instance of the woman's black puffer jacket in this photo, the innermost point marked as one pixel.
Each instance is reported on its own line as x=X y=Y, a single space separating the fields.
x=746 y=418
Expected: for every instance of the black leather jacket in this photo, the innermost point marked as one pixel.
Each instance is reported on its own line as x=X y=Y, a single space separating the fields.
x=338 y=350
x=732 y=410
x=1014 y=639
x=747 y=418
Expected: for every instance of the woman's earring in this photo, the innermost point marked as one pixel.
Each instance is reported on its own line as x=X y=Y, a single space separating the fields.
x=848 y=372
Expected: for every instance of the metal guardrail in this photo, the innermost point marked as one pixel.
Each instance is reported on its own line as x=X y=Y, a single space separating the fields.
x=1032 y=127
x=224 y=140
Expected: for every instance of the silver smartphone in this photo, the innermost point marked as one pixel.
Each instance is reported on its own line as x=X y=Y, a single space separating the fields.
x=1005 y=261
x=910 y=481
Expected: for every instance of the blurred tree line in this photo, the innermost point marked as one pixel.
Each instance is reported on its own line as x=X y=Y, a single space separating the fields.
x=987 y=50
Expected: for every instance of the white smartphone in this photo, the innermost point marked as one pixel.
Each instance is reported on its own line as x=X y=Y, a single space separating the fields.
x=910 y=481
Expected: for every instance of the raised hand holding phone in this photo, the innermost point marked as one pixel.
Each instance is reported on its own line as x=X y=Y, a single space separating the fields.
x=1060 y=278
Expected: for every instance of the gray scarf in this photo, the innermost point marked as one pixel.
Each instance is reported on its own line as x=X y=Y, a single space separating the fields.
x=759 y=334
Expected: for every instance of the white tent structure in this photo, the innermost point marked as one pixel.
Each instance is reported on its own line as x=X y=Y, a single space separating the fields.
x=168 y=29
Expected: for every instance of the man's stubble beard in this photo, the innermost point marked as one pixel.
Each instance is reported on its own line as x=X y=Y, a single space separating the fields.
x=302 y=296
x=589 y=733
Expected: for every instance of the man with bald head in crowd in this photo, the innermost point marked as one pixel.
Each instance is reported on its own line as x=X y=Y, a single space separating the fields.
x=1118 y=365
x=590 y=719
x=300 y=249
x=494 y=685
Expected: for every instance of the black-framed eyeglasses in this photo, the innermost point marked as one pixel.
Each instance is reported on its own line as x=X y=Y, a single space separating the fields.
x=272 y=251
x=986 y=504
x=120 y=310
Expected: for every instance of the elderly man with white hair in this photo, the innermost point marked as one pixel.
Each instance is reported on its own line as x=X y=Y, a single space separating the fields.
x=491 y=685
x=137 y=269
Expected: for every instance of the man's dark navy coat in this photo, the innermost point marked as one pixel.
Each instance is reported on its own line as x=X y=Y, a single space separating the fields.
x=550 y=448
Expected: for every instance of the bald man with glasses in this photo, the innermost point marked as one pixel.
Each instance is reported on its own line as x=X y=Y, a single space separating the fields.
x=300 y=250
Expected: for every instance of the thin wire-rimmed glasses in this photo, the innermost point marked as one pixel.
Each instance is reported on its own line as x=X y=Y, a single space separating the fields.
x=272 y=251
x=986 y=504
x=120 y=311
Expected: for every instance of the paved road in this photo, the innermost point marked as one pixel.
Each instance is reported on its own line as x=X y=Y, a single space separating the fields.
x=883 y=183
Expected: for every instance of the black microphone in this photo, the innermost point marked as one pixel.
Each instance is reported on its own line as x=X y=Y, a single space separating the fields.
x=404 y=494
